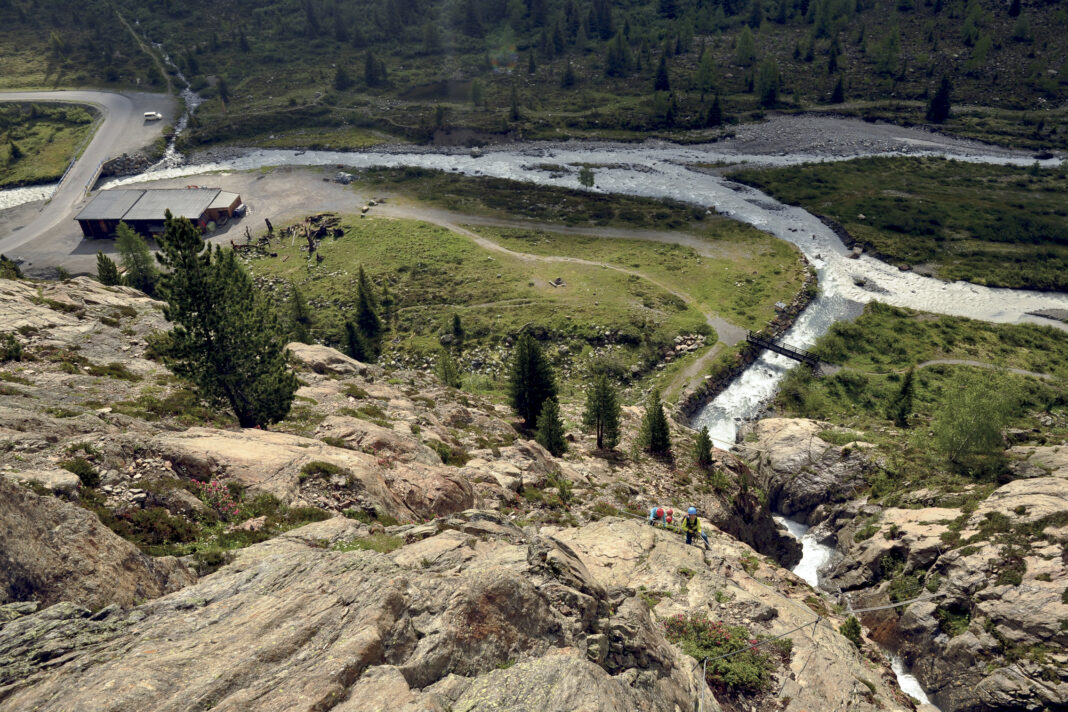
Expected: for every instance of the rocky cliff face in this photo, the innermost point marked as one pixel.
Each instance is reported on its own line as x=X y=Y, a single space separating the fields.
x=472 y=613
x=472 y=570
x=989 y=626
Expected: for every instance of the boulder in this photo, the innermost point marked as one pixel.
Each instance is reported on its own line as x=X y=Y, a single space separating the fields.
x=368 y=437
x=799 y=471
x=60 y=481
x=272 y=462
x=52 y=550
x=325 y=360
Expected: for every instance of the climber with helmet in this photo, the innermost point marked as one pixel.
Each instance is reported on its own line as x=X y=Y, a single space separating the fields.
x=658 y=517
x=691 y=527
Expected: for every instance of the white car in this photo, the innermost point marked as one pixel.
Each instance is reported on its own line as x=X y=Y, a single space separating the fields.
x=153 y=116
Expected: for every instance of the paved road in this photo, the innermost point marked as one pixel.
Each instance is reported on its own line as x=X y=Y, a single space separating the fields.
x=123 y=130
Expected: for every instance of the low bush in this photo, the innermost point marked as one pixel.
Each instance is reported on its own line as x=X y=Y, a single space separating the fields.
x=748 y=670
x=84 y=469
x=10 y=348
x=851 y=630
x=318 y=468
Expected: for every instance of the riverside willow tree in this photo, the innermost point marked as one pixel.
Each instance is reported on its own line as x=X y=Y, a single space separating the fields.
x=226 y=338
x=531 y=381
x=602 y=412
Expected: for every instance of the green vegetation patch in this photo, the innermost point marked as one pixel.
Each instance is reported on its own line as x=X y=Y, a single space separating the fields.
x=752 y=272
x=996 y=225
x=748 y=669
x=380 y=542
x=37 y=141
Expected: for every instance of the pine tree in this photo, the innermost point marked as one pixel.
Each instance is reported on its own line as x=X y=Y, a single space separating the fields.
x=568 y=79
x=838 y=95
x=938 y=109
x=457 y=333
x=342 y=80
x=767 y=82
x=355 y=345
x=531 y=381
x=705 y=78
x=107 y=272
x=14 y=153
x=367 y=321
x=447 y=370
x=136 y=260
x=1014 y=8
x=300 y=318
x=662 y=83
x=550 y=433
x=851 y=630
x=513 y=112
x=654 y=436
x=531 y=66
x=602 y=412
x=226 y=338
x=702 y=448
x=715 y=113
x=901 y=407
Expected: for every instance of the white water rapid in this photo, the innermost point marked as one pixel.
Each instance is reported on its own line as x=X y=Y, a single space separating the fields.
x=814 y=556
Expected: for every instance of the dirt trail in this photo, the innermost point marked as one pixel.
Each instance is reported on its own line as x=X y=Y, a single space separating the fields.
x=727 y=332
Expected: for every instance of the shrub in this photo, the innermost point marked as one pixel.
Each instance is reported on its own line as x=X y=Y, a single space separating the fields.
x=155 y=526
x=748 y=670
x=370 y=517
x=10 y=348
x=851 y=630
x=219 y=497
x=318 y=468
x=953 y=619
x=84 y=469
x=450 y=455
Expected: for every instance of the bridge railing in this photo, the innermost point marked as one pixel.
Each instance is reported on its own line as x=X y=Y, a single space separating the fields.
x=784 y=349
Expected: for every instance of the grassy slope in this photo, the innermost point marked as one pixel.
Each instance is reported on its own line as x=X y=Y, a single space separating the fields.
x=47 y=137
x=992 y=225
x=742 y=288
x=877 y=348
x=285 y=72
x=433 y=273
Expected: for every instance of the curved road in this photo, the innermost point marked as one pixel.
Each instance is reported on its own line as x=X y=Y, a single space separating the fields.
x=122 y=130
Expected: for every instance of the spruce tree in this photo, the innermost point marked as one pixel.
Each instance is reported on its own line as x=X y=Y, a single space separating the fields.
x=531 y=381
x=300 y=317
x=355 y=345
x=838 y=95
x=767 y=82
x=901 y=407
x=136 y=259
x=367 y=321
x=226 y=339
x=702 y=448
x=107 y=272
x=745 y=49
x=447 y=370
x=715 y=114
x=662 y=83
x=457 y=333
x=550 y=433
x=654 y=436
x=938 y=109
x=568 y=80
x=602 y=412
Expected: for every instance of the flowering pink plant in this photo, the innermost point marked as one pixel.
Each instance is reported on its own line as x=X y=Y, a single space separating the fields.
x=218 y=496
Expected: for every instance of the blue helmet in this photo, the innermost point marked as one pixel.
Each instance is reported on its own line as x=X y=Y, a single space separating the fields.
x=692 y=510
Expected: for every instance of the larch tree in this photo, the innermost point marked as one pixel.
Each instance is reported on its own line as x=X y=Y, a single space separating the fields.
x=107 y=272
x=136 y=260
x=226 y=338
x=654 y=436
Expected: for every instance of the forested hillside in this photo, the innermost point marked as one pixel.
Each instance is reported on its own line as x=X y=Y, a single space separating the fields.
x=546 y=67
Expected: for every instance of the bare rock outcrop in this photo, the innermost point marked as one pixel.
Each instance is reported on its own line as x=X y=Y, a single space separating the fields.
x=799 y=470
x=52 y=551
x=476 y=621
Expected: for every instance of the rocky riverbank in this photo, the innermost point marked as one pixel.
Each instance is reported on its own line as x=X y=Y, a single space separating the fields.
x=980 y=574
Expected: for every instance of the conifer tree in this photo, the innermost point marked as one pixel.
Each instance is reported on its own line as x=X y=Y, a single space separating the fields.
x=136 y=260
x=226 y=339
x=838 y=95
x=662 y=82
x=745 y=49
x=654 y=436
x=767 y=82
x=938 y=109
x=531 y=381
x=715 y=113
x=602 y=412
x=447 y=370
x=702 y=448
x=901 y=407
x=355 y=345
x=367 y=321
x=550 y=433
x=300 y=317
x=568 y=80
x=107 y=272
x=457 y=333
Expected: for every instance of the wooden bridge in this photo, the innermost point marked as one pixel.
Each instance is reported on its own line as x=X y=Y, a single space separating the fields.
x=786 y=350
